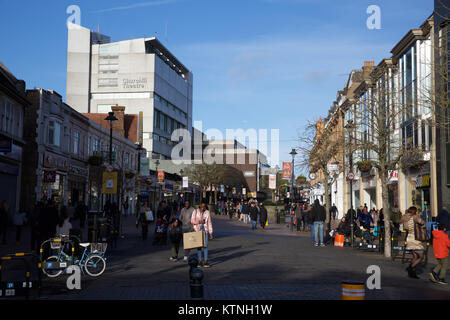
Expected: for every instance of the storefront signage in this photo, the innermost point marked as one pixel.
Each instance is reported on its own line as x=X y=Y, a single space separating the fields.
x=52 y=160
x=110 y=182
x=333 y=166
x=78 y=171
x=49 y=176
x=423 y=181
x=393 y=175
x=249 y=174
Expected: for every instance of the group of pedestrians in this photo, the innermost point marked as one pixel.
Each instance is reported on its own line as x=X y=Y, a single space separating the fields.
x=246 y=211
x=172 y=222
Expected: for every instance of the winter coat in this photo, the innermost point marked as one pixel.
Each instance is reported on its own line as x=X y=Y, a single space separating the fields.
x=197 y=216
x=365 y=220
x=298 y=212
x=318 y=212
x=254 y=213
x=263 y=215
x=186 y=216
x=308 y=217
x=245 y=209
x=64 y=230
x=441 y=243
x=175 y=233
x=444 y=219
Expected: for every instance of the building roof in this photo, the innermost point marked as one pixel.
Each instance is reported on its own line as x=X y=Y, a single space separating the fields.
x=130 y=123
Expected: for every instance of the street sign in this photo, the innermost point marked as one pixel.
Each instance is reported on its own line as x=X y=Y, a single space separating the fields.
x=287 y=170
x=161 y=176
x=333 y=166
x=350 y=176
x=312 y=176
x=185 y=182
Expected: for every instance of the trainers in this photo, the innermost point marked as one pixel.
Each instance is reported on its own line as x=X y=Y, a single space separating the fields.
x=185 y=258
x=316 y=245
x=322 y=245
x=173 y=259
x=433 y=277
x=206 y=265
x=442 y=281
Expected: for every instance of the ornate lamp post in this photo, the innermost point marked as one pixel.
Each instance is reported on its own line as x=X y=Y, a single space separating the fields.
x=349 y=126
x=293 y=153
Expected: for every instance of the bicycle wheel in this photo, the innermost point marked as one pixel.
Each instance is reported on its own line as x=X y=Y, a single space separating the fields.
x=52 y=273
x=95 y=265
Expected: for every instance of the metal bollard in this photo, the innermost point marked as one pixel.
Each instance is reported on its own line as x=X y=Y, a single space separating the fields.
x=277 y=213
x=196 y=277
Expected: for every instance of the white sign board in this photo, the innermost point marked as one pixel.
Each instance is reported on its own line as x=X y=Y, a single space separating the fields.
x=244 y=191
x=333 y=166
x=185 y=182
x=272 y=181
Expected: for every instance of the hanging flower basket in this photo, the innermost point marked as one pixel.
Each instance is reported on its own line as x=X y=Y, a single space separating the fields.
x=95 y=160
x=364 y=166
x=301 y=179
x=129 y=175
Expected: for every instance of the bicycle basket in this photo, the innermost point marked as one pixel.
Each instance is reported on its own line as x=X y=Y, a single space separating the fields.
x=99 y=247
x=55 y=244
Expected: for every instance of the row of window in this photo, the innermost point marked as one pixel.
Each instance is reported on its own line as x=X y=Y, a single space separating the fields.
x=11 y=118
x=166 y=123
x=166 y=103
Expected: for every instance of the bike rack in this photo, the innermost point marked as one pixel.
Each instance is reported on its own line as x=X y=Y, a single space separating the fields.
x=20 y=288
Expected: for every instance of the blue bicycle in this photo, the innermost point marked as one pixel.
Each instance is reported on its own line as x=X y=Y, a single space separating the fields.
x=92 y=262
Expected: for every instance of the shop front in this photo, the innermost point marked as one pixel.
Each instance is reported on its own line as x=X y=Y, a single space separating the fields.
x=54 y=178
x=421 y=196
x=78 y=180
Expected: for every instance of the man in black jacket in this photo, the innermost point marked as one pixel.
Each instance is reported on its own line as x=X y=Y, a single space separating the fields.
x=246 y=211
x=319 y=215
x=253 y=215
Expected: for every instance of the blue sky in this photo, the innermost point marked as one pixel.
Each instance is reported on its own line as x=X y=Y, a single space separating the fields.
x=263 y=64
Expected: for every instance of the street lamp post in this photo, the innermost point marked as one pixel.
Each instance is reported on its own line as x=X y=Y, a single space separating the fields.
x=139 y=149
x=349 y=127
x=159 y=188
x=111 y=118
x=293 y=153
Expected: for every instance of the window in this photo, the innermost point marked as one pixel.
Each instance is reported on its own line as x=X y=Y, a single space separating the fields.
x=95 y=145
x=7 y=115
x=157 y=119
x=108 y=82
x=76 y=141
x=126 y=159
x=54 y=133
x=89 y=145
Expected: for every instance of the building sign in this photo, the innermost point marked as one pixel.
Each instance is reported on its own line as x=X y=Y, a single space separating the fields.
x=248 y=174
x=109 y=182
x=423 y=181
x=5 y=144
x=185 y=182
x=392 y=175
x=333 y=166
x=287 y=170
x=140 y=83
x=145 y=166
x=161 y=176
x=244 y=191
x=78 y=171
x=272 y=181
x=52 y=160
x=49 y=176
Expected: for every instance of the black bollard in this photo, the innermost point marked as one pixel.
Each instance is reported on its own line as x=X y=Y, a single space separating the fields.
x=278 y=215
x=196 y=277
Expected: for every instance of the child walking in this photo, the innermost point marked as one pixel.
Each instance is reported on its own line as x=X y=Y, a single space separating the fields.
x=441 y=243
x=175 y=235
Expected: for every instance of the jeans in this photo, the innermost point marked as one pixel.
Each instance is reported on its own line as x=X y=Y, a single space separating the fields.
x=205 y=249
x=175 y=249
x=318 y=230
x=246 y=218
x=311 y=230
x=254 y=224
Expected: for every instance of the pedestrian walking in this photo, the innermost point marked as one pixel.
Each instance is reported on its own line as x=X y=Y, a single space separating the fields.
x=298 y=216
x=262 y=215
x=201 y=221
x=175 y=235
x=253 y=215
x=143 y=221
x=63 y=227
x=441 y=243
x=416 y=236
x=125 y=207
x=4 y=211
x=319 y=215
x=309 y=219
x=246 y=211
x=333 y=211
x=19 y=220
x=185 y=217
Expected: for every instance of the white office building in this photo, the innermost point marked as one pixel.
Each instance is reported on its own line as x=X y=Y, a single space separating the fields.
x=140 y=74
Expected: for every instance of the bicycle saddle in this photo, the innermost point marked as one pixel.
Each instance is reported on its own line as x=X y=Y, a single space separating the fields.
x=84 y=245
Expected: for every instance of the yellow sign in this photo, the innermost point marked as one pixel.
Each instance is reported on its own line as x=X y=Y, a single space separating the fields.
x=109 y=182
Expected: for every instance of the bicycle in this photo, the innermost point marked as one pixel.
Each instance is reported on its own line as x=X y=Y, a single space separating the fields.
x=93 y=262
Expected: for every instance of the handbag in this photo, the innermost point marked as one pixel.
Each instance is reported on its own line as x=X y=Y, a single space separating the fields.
x=420 y=233
x=193 y=240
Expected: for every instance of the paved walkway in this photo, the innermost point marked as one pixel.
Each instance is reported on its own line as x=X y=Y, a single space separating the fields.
x=264 y=264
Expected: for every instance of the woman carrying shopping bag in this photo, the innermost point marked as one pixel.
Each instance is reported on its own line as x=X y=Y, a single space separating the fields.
x=201 y=221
